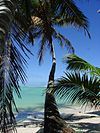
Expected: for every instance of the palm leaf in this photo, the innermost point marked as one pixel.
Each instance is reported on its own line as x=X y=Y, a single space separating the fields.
x=76 y=63
x=52 y=13
x=63 y=41
x=77 y=88
x=70 y=14
x=12 y=63
x=11 y=71
x=42 y=49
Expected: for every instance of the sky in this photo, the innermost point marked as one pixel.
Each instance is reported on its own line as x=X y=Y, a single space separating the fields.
x=88 y=49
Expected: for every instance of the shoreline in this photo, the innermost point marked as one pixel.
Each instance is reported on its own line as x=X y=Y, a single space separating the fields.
x=78 y=118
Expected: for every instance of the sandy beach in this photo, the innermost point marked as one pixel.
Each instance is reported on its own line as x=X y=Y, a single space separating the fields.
x=27 y=129
x=81 y=119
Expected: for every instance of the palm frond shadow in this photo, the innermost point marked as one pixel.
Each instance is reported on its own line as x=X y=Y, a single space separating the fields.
x=95 y=112
x=74 y=118
x=86 y=127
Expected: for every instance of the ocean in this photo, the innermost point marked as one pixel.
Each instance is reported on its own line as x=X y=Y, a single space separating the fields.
x=32 y=103
x=31 y=98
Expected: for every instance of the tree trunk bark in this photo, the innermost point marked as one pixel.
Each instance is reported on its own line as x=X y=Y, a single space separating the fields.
x=53 y=123
x=51 y=109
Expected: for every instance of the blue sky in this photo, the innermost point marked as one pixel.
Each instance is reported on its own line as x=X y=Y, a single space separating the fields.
x=84 y=47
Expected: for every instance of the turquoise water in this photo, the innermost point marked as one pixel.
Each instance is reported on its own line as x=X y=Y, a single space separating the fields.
x=32 y=102
x=32 y=97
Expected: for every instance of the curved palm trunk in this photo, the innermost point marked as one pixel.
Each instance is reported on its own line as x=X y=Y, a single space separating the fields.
x=48 y=110
x=7 y=8
x=53 y=123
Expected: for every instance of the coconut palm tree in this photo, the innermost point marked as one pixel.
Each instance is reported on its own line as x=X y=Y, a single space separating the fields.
x=50 y=14
x=81 y=84
x=14 y=22
x=18 y=17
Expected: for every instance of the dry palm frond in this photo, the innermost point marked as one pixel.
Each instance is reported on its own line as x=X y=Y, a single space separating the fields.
x=36 y=20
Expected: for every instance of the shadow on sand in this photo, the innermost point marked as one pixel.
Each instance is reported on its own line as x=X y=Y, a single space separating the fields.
x=88 y=127
x=95 y=113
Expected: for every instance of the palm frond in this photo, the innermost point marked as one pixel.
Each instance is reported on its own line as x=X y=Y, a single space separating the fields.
x=63 y=41
x=11 y=72
x=48 y=14
x=42 y=49
x=70 y=14
x=12 y=63
x=23 y=20
x=77 y=88
x=75 y=63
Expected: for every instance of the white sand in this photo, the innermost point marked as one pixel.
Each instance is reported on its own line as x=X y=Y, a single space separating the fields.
x=82 y=117
x=27 y=129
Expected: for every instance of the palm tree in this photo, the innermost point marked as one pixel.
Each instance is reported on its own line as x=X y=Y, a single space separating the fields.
x=14 y=22
x=81 y=84
x=50 y=14
x=16 y=18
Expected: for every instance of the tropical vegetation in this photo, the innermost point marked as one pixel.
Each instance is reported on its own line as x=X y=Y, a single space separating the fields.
x=12 y=63
x=23 y=21
x=81 y=83
x=51 y=14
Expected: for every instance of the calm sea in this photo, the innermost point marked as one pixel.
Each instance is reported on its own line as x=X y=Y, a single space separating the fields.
x=32 y=103
x=32 y=98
